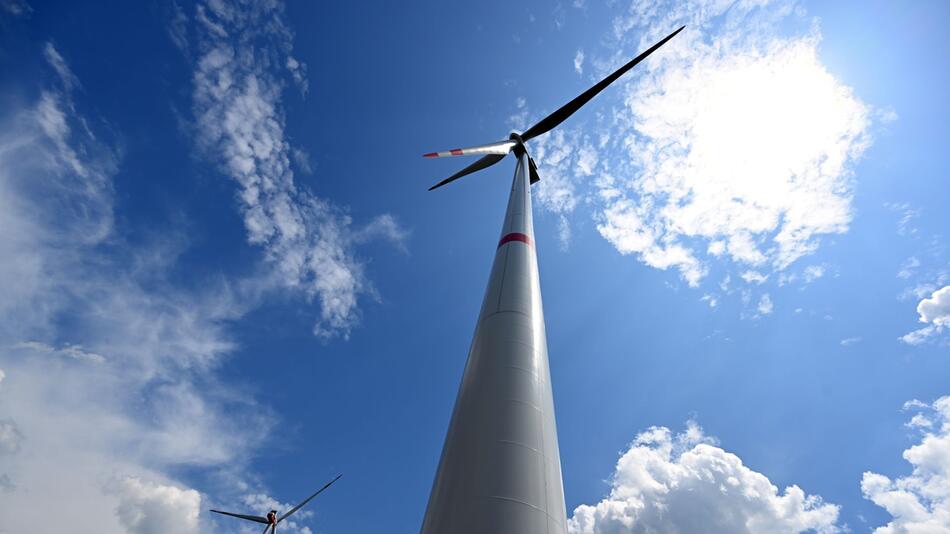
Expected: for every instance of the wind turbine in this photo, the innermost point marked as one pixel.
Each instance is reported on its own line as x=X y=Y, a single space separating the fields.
x=271 y=520
x=500 y=470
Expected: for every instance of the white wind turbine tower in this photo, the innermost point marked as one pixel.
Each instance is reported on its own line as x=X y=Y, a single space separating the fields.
x=500 y=470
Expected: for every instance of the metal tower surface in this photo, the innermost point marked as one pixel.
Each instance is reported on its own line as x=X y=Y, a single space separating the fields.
x=500 y=470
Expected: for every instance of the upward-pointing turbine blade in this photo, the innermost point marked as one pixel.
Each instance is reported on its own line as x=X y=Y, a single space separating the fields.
x=255 y=518
x=301 y=505
x=548 y=123
x=482 y=163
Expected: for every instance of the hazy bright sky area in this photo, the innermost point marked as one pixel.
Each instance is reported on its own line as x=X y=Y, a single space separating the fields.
x=223 y=282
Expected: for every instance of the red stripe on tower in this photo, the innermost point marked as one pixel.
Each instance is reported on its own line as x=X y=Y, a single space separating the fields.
x=508 y=238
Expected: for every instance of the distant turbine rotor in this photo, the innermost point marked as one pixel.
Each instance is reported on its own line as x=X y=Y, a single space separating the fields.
x=272 y=524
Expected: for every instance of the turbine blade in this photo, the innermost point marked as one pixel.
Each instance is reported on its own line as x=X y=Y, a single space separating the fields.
x=301 y=505
x=533 y=169
x=255 y=518
x=548 y=123
x=482 y=163
x=267 y=527
x=501 y=147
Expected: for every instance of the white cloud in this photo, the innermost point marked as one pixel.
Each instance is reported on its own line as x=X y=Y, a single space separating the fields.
x=130 y=391
x=56 y=60
x=905 y=225
x=563 y=232
x=383 y=227
x=920 y=336
x=920 y=501
x=737 y=143
x=10 y=437
x=302 y=159
x=753 y=277
x=240 y=124
x=765 y=305
x=908 y=267
x=75 y=352
x=812 y=273
x=626 y=225
x=887 y=115
x=934 y=310
x=684 y=483
x=557 y=161
x=151 y=508
x=847 y=342
x=16 y=7
x=579 y=62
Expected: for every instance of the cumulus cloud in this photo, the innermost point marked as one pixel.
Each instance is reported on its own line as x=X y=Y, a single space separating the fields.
x=746 y=143
x=579 y=62
x=152 y=508
x=733 y=143
x=685 y=483
x=240 y=123
x=935 y=311
x=920 y=501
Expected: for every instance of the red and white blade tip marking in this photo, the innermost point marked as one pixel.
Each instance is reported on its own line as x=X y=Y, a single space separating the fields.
x=453 y=152
x=501 y=147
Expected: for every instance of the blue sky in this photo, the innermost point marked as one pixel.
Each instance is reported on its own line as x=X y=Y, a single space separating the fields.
x=222 y=280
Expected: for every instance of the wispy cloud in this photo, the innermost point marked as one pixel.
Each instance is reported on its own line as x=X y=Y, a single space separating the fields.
x=108 y=366
x=16 y=7
x=908 y=268
x=68 y=351
x=686 y=483
x=56 y=61
x=908 y=215
x=240 y=123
